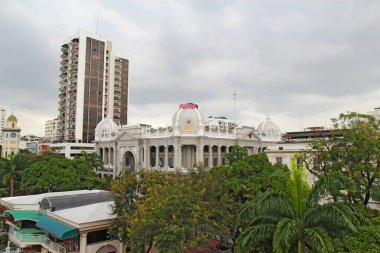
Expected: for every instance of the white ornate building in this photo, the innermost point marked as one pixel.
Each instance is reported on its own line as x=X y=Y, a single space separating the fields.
x=190 y=142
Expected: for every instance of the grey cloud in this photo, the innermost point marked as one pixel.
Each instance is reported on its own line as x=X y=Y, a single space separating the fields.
x=300 y=53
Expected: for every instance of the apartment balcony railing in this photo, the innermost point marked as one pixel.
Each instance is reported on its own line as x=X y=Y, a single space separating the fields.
x=34 y=237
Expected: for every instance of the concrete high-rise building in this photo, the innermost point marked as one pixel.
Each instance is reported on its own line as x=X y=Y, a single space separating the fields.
x=2 y=123
x=51 y=127
x=93 y=86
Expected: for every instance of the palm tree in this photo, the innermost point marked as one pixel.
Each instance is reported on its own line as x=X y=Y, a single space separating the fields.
x=11 y=169
x=93 y=159
x=293 y=219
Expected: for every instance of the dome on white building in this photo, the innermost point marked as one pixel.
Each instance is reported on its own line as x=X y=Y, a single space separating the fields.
x=106 y=130
x=269 y=130
x=188 y=119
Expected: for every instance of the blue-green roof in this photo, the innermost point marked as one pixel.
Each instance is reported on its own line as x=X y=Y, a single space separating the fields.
x=24 y=214
x=57 y=228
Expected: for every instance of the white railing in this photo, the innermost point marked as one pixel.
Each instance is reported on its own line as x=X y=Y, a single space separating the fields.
x=52 y=246
x=36 y=239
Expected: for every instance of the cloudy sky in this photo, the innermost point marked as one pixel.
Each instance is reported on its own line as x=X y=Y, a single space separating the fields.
x=301 y=62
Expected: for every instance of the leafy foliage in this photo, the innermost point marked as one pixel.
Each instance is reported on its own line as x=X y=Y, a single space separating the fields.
x=353 y=152
x=292 y=220
x=27 y=172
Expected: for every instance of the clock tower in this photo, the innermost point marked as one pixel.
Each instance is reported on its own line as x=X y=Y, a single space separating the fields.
x=11 y=137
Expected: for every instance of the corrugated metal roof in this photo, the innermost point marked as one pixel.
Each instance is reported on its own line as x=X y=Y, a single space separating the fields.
x=64 y=202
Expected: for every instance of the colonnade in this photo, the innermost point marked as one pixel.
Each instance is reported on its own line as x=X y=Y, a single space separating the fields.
x=178 y=156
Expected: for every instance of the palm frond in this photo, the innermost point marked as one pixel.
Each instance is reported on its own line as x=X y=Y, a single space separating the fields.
x=332 y=215
x=299 y=189
x=274 y=205
x=287 y=233
x=330 y=184
x=319 y=240
x=253 y=236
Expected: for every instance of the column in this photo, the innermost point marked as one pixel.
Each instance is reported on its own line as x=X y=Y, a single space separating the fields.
x=114 y=163
x=104 y=156
x=201 y=160
x=83 y=243
x=109 y=157
x=219 y=156
x=199 y=156
x=157 y=156
x=210 y=156
x=179 y=156
x=166 y=166
x=146 y=165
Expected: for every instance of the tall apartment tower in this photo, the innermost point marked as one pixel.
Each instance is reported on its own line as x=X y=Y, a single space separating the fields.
x=2 y=123
x=93 y=86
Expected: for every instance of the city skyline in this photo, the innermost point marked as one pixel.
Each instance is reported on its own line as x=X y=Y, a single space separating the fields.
x=301 y=62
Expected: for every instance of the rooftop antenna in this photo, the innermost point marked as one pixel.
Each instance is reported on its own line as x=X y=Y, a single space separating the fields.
x=234 y=94
x=258 y=102
x=97 y=24
x=324 y=114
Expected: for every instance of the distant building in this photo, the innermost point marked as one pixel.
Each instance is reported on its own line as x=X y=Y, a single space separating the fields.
x=51 y=129
x=191 y=141
x=93 y=85
x=375 y=113
x=11 y=137
x=294 y=143
x=2 y=123
x=70 y=150
x=30 y=143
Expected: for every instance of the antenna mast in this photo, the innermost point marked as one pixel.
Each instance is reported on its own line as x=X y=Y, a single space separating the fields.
x=234 y=94
x=97 y=24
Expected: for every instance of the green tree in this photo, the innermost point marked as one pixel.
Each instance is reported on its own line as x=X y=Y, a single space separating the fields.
x=93 y=159
x=11 y=170
x=237 y=154
x=293 y=221
x=58 y=174
x=352 y=151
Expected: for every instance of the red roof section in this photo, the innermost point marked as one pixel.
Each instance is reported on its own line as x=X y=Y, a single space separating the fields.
x=188 y=106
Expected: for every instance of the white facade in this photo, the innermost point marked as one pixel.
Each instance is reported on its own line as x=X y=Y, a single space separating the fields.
x=71 y=150
x=189 y=143
x=51 y=127
x=375 y=113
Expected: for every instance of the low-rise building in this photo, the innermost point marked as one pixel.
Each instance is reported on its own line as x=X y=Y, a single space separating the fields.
x=71 y=150
x=30 y=143
x=61 y=222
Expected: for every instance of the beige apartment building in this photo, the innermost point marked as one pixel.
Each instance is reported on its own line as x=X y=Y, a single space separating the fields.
x=51 y=129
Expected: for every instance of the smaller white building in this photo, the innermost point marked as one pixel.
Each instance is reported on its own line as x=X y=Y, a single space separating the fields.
x=71 y=150
x=51 y=129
